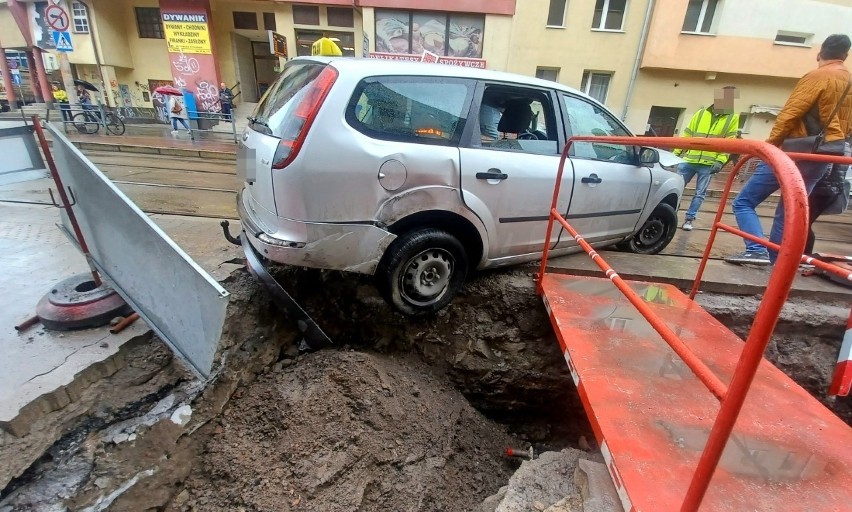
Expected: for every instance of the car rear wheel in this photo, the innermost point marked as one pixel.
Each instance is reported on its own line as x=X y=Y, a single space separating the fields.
x=422 y=271
x=655 y=234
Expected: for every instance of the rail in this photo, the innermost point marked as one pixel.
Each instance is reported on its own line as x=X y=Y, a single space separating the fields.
x=794 y=196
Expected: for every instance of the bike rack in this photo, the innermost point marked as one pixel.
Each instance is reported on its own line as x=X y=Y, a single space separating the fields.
x=588 y=356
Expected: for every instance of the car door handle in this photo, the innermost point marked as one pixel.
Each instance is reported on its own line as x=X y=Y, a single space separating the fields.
x=591 y=179
x=492 y=174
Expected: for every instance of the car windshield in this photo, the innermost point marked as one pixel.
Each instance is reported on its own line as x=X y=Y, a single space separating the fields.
x=279 y=101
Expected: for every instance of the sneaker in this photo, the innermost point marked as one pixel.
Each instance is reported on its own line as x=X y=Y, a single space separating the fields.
x=687 y=226
x=750 y=258
x=174 y=133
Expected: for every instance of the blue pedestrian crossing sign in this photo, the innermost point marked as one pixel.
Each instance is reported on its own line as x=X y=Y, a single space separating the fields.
x=62 y=41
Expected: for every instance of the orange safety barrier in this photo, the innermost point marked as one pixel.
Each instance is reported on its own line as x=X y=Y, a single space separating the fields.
x=733 y=395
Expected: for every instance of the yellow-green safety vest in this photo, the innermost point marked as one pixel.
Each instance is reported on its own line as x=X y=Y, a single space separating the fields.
x=709 y=125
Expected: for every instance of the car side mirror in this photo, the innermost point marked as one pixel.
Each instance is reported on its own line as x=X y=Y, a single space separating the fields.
x=648 y=156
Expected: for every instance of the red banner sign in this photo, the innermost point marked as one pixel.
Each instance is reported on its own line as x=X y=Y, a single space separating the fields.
x=455 y=61
x=192 y=53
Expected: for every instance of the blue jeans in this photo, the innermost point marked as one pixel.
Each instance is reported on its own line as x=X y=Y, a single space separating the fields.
x=182 y=121
x=760 y=186
x=688 y=170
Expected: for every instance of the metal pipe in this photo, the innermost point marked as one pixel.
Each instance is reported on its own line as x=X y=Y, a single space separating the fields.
x=124 y=323
x=68 y=209
x=646 y=26
x=26 y=324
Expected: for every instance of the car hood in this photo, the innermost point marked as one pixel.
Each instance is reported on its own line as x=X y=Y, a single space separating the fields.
x=668 y=159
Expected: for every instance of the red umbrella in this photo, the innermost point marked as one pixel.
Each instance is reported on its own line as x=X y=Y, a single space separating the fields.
x=168 y=89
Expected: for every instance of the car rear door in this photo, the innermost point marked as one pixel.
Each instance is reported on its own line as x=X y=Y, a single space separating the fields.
x=508 y=182
x=610 y=189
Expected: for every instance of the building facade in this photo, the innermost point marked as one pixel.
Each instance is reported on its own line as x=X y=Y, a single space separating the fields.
x=653 y=62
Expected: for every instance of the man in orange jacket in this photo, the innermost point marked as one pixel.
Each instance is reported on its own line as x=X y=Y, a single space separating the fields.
x=806 y=112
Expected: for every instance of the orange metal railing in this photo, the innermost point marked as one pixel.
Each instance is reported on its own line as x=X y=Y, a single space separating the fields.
x=794 y=196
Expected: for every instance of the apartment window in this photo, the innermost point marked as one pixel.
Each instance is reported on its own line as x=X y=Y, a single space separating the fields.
x=551 y=74
x=793 y=38
x=596 y=84
x=609 y=14
x=245 y=20
x=269 y=21
x=556 y=14
x=148 y=23
x=340 y=17
x=81 y=18
x=306 y=15
x=699 y=16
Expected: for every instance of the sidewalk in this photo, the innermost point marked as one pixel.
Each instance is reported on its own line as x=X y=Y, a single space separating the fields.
x=165 y=145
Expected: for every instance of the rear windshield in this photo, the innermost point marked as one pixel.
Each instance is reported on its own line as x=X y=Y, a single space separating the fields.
x=282 y=98
x=411 y=109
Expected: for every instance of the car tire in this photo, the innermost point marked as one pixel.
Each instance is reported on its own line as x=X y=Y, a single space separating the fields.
x=655 y=234
x=422 y=271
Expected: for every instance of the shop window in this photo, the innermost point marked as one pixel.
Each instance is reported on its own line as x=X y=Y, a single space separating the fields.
x=148 y=23
x=340 y=17
x=306 y=15
x=551 y=74
x=699 y=16
x=450 y=35
x=596 y=85
x=269 y=21
x=305 y=38
x=609 y=14
x=556 y=14
x=245 y=20
x=81 y=18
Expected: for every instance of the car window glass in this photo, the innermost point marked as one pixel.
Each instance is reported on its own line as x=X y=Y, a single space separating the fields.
x=517 y=120
x=586 y=118
x=279 y=102
x=410 y=109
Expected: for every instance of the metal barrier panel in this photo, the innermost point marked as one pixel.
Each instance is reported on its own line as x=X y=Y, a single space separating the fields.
x=182 y=303
x=19 y=149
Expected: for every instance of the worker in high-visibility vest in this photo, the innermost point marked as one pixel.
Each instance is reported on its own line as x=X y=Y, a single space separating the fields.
x=716 y=121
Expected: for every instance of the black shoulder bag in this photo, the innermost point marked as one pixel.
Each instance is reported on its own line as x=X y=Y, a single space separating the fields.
x=814 y=143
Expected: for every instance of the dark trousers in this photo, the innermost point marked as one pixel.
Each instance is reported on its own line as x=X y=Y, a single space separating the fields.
x=226 y=110
x=65 y=108
x=818 y=201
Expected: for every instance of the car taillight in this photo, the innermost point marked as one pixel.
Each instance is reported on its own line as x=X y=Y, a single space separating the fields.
x=296 y=127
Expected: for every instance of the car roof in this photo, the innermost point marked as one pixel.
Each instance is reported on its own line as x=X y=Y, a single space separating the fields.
x=370 y=67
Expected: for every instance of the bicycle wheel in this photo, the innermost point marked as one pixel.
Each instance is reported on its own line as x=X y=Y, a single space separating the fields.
x=114 y=124
x=85 y=123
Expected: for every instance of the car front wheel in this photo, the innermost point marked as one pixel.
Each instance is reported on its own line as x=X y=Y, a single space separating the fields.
x=656 y=233
x=422 y=271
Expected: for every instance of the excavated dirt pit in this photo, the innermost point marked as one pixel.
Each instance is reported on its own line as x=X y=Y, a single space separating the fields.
x=403 y=414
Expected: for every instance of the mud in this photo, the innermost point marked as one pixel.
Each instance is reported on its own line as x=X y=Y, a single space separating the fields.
x=402 y=414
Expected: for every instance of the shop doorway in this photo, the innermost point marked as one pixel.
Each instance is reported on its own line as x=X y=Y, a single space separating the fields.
x=255 y=67
x=662 y=122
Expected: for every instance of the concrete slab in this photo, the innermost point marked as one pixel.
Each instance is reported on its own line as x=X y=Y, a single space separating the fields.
x=44 y=371
x=719 y=277
x=41 y=369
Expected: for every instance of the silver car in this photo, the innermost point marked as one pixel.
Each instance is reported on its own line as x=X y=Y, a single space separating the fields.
x=423 y=173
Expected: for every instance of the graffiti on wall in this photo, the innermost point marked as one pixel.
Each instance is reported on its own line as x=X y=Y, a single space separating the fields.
x=193 y=63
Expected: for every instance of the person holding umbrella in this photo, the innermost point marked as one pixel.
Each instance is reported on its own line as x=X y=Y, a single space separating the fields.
x=177 y=112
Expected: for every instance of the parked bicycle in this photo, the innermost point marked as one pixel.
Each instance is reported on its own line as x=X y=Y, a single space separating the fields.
x=89 y=121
